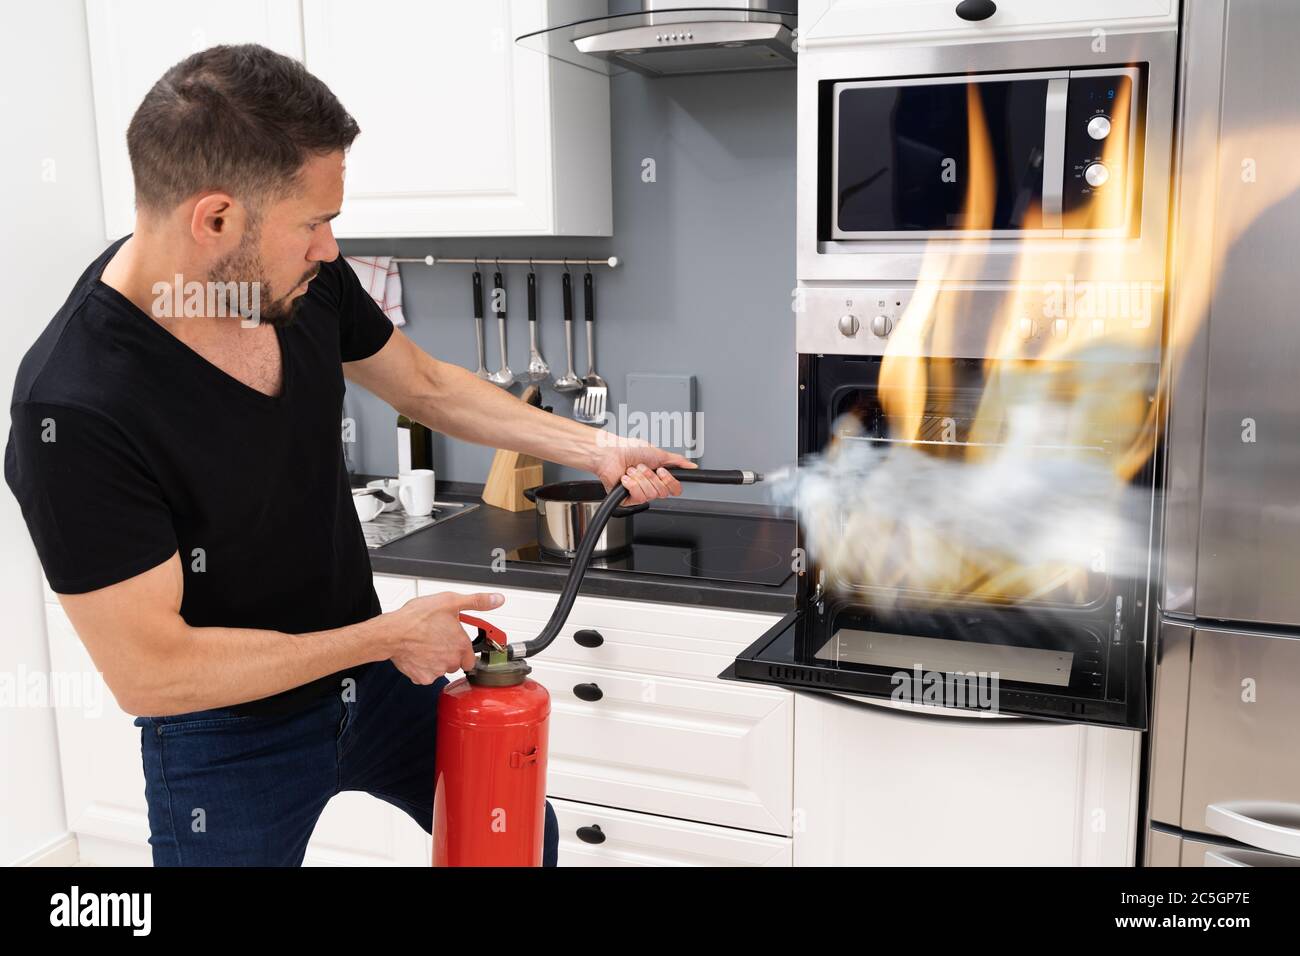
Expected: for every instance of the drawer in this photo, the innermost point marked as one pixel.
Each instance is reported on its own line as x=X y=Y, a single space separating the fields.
x=715 y=752
x=638 y=636
x=603 y=836
x=1171 y=848
x=1241 y=778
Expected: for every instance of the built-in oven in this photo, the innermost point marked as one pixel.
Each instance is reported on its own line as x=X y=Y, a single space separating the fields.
x=1060 y=146
x=981 y=226
x=980 y=625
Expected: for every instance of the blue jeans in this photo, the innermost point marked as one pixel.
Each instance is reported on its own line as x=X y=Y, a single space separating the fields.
x=237 y=790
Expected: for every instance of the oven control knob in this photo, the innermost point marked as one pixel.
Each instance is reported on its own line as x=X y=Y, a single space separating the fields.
x=1099 y=127
x=849 y=324
x=1096 y=175
x=882 y=325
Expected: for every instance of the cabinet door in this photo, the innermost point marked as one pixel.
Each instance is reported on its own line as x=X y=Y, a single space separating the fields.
x=880 y=786
x=133 y=44
x=357 y=829
x=892 y=20
x=463 y=132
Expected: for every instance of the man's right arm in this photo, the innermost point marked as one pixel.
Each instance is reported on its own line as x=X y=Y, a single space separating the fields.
x=157 y=665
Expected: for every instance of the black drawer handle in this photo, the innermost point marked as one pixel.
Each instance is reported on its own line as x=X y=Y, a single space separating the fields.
x=976 y=9
x=587 y=692
x=591 y=834
x=589 y=638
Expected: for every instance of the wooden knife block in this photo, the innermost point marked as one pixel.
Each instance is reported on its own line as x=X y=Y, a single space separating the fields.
x=510 y=474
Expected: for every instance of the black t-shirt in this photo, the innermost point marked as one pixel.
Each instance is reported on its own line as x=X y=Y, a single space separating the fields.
x=155 y=450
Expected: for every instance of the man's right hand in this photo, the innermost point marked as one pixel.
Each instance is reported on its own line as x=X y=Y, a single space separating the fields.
x=427 y=637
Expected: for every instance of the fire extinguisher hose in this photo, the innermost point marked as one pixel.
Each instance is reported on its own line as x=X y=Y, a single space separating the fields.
x=582 y=557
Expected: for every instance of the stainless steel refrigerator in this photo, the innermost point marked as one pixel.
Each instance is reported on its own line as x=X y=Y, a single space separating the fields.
x=1223 y=773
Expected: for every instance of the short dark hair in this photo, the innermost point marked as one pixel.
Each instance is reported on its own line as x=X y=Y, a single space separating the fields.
x=242 y=119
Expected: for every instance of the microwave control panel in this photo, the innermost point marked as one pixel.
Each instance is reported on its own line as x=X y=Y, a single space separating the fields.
x=1099 y=150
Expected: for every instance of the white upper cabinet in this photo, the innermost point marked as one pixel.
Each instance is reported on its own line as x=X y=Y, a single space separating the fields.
x=463 y=132
x=133 y=44
x=894 y=21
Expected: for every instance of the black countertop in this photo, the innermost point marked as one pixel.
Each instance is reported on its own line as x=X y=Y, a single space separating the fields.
x=462 y=549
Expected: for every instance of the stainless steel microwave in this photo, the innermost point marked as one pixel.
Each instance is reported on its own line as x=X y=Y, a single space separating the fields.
x=998 y=155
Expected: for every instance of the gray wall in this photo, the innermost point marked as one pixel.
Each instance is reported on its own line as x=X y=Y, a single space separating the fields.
x=708 y=264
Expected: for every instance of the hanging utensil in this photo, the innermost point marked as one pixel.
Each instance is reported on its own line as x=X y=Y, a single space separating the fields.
x=537 y=367
x=478 y=322
x=568 y=382
x=590 y=407
x=502 y=376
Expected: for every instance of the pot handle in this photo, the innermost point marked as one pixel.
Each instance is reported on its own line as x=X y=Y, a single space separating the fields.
x=531 y=494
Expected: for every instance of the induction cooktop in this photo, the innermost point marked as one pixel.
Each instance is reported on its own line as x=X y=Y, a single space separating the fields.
x=688 y=544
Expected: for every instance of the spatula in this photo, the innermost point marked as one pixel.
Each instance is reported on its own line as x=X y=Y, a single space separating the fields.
x=589 y=407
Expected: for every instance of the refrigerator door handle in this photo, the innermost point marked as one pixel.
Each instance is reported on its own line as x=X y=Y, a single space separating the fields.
x=1267 y=824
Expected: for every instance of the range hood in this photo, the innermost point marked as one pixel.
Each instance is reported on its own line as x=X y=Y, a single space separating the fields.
x=668 y=39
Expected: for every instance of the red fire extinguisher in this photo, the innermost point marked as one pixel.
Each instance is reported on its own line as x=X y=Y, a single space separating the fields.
x=489 y=797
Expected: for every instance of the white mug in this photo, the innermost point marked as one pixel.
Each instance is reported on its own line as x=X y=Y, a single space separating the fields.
x=415 y=491
x=368 y=507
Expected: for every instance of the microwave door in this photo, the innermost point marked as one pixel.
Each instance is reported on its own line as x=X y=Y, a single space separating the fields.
x=903 y=162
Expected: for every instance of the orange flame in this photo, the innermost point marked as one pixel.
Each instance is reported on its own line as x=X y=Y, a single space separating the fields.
x=1039 y=400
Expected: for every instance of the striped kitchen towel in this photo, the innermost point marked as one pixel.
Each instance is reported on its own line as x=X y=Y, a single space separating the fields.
x=380 y=277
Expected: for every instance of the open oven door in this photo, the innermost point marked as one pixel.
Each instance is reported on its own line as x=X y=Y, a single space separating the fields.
x=1031 y=674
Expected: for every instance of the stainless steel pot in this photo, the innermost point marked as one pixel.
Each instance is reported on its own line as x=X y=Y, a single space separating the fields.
x=565 y=509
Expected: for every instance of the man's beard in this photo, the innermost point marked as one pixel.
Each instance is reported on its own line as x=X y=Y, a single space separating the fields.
x=244 y=265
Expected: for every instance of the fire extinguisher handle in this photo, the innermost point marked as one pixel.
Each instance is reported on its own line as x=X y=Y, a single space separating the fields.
x=487 y=633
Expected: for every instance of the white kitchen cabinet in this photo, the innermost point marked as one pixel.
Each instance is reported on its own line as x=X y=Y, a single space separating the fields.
x=602 y=836
x=133 y=44
x=881 y=786
x=463 y=132
x=665 y=736
x=896 y=21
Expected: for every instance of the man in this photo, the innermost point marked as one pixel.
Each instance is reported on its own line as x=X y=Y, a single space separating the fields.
x=181 y=472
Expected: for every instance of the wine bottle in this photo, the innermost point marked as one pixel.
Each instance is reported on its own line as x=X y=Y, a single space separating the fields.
x=414 y=445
